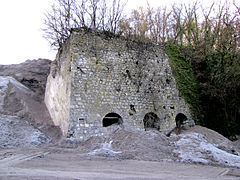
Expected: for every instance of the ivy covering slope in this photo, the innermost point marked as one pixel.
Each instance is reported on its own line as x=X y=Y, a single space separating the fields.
x=183 y=74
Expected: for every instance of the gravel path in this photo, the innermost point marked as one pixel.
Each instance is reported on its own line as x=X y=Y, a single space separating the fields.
x=68 y=164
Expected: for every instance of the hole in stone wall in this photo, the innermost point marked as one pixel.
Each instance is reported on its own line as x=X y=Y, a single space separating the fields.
x=172 y=107
x=180 y=119
x=151 y=120
x=118 y=89
x=168 y=81
x=132 y=107
x=78 y=68
x=132 y=110
x=128 y=74
x=112 y=118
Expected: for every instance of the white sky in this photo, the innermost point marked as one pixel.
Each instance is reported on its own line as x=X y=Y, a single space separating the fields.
x=21 y=22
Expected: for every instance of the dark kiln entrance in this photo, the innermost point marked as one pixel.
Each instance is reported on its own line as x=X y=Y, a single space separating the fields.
x=151 y=121
x=112 y=118
x=180 y=119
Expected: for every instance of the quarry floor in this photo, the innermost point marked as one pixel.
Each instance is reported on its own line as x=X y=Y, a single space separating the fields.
x=53 y=163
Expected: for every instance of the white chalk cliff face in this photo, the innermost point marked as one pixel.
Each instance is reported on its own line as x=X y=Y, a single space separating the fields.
x=15 y=130
x=22 y=89
x=3 y=89
x=31 y=73
x=10 y=87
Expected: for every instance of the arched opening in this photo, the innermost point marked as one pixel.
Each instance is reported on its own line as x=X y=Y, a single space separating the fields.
x=180 y=119
x=112 y=118
x=151 y=120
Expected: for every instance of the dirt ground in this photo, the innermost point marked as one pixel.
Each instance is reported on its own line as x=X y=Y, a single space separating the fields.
x=54 y=163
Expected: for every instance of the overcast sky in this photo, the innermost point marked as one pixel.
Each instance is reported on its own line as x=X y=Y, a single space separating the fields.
x=21 y=23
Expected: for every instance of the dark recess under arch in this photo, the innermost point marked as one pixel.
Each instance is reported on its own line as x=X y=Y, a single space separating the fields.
x=180 y=118
x=112 y=118
x=151 y=120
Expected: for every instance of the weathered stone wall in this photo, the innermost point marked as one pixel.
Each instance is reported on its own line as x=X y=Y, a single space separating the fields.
x=58 y=88
x=112 y=74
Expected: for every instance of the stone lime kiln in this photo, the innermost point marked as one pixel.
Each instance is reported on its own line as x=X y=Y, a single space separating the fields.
x=100 y=82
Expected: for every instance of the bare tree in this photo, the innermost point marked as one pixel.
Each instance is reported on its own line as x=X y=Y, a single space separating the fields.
x=67 y=14
x=115 y=15
x=58 y=21
x=237 y=7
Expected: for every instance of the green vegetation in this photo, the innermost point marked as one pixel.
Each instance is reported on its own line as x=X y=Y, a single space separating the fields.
x=183 y=73
x=210 y=84
x=218 y=77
